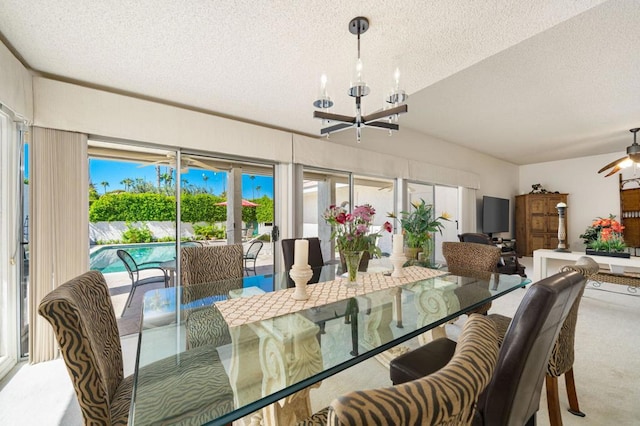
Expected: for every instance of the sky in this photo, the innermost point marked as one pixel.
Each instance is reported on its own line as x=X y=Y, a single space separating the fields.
x=115 y=172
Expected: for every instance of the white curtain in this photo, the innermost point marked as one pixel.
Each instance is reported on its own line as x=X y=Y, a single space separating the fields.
x=468 y=210
x=59 y=222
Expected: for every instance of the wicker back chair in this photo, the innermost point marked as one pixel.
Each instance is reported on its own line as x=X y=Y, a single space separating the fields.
x=475 y=259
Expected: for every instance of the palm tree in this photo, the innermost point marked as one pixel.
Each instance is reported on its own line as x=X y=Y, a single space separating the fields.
x=258 y=189
x=127 y=183
x=167 y=178
x=104 y=184
x=158 y=177
x=205 y=178
x=253 y=188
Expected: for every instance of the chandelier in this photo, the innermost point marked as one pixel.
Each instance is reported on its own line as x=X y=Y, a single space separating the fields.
x=633 y=157
x=386 y=119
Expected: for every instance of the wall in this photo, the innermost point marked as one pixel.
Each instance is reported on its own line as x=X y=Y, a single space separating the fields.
x=66 y=106
x=15 y=85
x=71 y=107
x=590 y=194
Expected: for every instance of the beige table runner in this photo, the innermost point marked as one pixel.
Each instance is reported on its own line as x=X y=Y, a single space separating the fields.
x=268 y=305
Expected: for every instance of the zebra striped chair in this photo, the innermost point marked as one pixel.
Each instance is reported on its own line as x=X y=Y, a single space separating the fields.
x=424 y=401
x=84 y=323
x=207 y=264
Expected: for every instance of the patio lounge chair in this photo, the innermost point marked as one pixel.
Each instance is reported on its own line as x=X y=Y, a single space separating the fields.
x=134 y=269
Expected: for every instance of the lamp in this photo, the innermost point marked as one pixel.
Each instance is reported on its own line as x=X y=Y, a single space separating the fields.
x=384 y=119
x=562 y=233
x=633 y=157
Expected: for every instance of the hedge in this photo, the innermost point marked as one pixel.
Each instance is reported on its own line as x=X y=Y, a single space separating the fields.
x=138 y=207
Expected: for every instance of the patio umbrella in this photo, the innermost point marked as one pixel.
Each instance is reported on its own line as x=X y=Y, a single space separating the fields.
x=245 y=203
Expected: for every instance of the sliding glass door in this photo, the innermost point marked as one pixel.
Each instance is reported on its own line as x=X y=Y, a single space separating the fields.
x=445 y=202
x=323 y=188
x=10 y=249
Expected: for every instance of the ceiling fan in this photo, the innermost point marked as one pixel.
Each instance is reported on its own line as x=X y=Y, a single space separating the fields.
x=186 y=162
x=633 y=157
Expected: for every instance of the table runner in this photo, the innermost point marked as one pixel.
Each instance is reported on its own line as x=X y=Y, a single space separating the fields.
x=268 y=305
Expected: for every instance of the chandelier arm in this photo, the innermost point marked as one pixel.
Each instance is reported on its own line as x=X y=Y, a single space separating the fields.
x=336 y=128
x=334 y=117
x=383 y=125
x=385 y=113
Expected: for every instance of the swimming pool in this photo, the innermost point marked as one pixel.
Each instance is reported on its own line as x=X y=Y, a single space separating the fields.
x=105 y=259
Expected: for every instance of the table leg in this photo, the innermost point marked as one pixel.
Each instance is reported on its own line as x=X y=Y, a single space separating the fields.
x=288 y=351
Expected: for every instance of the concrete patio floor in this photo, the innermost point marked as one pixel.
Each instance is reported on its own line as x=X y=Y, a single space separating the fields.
x=120 y=287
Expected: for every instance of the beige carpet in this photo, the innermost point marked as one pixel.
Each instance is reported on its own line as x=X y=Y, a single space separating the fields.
x=607 y=369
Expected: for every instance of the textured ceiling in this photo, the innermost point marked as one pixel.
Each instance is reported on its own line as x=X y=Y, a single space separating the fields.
x=523 y=81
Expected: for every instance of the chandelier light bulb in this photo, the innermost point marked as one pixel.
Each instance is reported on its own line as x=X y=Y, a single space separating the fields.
x=396 y=77
x=359 y=70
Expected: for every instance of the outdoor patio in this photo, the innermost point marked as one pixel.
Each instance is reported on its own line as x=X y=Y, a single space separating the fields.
x=120 y=286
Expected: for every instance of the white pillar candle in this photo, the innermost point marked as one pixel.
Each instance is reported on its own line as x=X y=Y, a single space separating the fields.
x=398 y=242
x=301 y=253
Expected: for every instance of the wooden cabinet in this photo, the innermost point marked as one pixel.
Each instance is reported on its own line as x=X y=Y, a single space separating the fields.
x=630 y=212
x=537 y=222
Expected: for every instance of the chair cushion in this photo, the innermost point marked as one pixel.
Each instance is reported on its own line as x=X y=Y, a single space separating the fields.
x=190 y=389
x=121 y=402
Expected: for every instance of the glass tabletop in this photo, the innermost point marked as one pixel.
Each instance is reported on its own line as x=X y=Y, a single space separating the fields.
x=192 y=364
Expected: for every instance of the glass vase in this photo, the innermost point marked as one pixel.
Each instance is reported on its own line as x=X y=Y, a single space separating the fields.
x=352 y=260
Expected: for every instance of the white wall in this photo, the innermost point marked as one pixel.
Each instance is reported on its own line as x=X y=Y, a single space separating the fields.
x=590 y=194
x=15 y=85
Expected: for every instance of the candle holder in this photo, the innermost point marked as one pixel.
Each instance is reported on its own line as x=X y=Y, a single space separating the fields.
x=300 y=274
x=562 y=233
x=397 y=259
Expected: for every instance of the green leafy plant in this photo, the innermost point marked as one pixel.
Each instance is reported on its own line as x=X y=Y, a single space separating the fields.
x=209 y=231
x=139 y=234
x=418 y=224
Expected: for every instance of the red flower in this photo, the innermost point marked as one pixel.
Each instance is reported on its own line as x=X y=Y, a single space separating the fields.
x=387 y=227
x=341 y=218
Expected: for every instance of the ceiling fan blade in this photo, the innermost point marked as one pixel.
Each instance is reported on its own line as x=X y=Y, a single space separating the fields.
x=155 y=163
x=203 y=165
x=613 y=163
x=613 y=171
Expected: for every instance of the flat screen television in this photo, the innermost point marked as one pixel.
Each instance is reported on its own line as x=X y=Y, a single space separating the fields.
x=495 y=215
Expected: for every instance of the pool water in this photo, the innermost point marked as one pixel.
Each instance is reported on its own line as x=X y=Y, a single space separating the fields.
x=105 y=259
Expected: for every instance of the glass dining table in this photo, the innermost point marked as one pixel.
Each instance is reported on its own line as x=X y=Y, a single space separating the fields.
x=244 y=349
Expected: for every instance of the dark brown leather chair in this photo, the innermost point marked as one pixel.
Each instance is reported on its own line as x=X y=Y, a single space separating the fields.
x=316 y=260
x=513 y=395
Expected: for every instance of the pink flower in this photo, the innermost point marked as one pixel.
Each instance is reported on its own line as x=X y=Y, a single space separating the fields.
x=387 y=227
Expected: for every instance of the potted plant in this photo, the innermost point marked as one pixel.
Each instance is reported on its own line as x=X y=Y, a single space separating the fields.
x=604 y=237
x=417 y=227
x=352 y=231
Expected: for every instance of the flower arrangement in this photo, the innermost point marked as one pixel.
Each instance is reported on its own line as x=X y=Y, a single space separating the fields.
x=352 y=231
x=604 y=234
x=418 y=225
